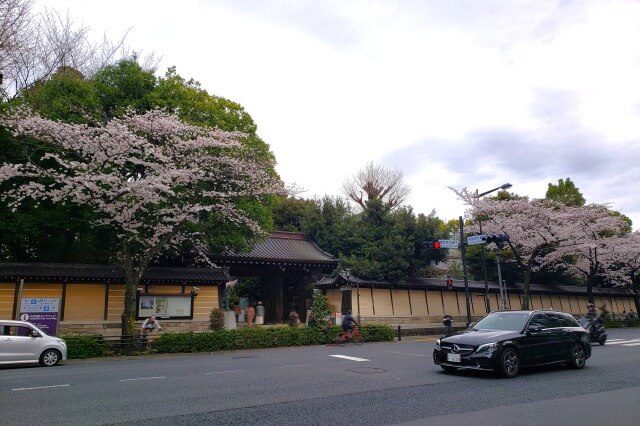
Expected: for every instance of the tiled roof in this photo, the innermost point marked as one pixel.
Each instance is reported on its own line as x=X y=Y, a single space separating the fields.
x=475 y=286
x=285 y=247
x=82 y=272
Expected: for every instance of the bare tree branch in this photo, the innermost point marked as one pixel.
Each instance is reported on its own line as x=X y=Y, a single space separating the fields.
x=377 y=182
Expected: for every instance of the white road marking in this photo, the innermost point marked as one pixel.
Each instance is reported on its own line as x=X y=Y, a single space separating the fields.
x=633 y=344
x=614 y=340
x=141 y=378
x=226 y=371
x=623 y=341
x=402 y=353
x=41 y=387
x=296 y=365
x=350 y=358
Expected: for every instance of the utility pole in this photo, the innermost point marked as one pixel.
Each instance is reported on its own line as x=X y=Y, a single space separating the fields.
x=464 y=272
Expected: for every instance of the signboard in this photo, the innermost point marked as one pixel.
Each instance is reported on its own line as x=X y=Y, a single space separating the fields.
x=448 y=244
x=41 y=312
x=165 y=306
x=476 y=239
x=345 y=288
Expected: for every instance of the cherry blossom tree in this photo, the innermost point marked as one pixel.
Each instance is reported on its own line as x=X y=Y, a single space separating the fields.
x=625 y=260
x=547 y=233
x=150 y=178
x=588 y=252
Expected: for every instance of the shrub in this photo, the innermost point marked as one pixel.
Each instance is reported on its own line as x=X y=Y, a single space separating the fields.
x=604 y=313
x=320 y=310
x=258 y=338
x=216 y=319
x=89 y=346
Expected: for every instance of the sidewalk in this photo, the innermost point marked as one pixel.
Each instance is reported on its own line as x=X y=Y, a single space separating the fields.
x=427 y=329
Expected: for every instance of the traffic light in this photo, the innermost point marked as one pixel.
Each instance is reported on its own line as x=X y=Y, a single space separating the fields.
x=498 y=239
x=449 y=283
x=432 y=244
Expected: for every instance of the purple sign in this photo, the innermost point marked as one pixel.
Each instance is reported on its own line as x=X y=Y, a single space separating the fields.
x=45 y=322
x=41 y=312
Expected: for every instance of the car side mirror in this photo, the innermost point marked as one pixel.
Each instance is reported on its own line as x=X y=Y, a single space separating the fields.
x=534 y=329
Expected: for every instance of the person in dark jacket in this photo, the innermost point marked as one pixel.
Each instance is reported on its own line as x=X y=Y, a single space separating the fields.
x=347 y=322
x=447 y=321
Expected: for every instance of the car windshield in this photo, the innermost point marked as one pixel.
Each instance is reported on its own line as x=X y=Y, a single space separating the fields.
x=510 y=321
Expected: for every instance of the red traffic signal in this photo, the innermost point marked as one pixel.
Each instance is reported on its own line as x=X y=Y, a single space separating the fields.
x=432 y=244
x=449 y=283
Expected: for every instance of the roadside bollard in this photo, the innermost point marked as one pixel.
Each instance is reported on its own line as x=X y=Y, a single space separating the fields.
x=399 y=335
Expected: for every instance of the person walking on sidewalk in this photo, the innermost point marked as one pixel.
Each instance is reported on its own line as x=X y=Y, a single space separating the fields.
x=446 y=321
x=259 y=313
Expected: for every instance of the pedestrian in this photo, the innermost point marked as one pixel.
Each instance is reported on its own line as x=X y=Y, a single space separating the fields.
x=237 y=310
x=259 y=313
x=151 y=324
x=294 y=318
x=251 y=313
x=446 y=321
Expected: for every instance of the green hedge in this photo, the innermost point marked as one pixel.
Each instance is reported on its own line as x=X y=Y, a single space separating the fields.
x=619 y=323
x=88 y=346
x=257 y=338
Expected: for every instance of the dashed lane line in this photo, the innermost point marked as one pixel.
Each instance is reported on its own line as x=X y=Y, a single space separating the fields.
x=622 y=342
x=40 y=387
x=141 y=378
x=403 y=353
x=295 y=365
x=350 y=358
x=226 y=372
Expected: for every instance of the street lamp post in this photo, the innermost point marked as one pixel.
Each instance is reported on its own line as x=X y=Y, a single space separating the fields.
x=484 y=255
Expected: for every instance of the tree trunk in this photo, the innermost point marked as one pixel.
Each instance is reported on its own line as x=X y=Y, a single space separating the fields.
x=129 y=314
x=526 y=289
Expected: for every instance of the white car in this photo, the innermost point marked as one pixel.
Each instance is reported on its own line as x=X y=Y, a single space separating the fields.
x=24 y=343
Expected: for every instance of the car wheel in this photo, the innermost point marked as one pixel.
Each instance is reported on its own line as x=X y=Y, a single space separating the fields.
x=578 y=356
x=449 y=369
x=509 y=363
x=602 y=341
x=49 y=358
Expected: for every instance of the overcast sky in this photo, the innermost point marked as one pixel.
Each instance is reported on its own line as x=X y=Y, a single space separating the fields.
x=466 y=93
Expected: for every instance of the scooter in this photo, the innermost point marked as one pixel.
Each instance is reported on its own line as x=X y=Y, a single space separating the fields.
x=595 y=327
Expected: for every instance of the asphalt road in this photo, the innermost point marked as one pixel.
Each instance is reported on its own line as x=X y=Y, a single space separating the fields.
x=377 y=383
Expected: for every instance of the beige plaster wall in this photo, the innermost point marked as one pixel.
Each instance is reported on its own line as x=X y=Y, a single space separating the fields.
x=366 y=301
x=382 y=302
x=84 y=302
x=434 y=299
x=418 y=302
x=7 y=295
x=401 y=305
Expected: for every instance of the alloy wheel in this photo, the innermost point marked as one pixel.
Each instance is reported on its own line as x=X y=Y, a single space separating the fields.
x=510 y=363
x=579 y=357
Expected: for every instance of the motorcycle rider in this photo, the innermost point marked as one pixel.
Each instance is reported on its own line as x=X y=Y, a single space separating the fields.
x=595 y=327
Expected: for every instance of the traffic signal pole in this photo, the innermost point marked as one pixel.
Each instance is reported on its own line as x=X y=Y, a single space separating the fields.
x=464 y=272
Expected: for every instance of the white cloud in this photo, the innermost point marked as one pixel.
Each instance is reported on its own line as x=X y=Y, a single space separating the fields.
x=465 y=94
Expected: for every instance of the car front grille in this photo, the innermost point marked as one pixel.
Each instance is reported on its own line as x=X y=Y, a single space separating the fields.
x=460 y=349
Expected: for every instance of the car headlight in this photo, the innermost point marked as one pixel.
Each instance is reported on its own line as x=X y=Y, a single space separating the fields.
x=438 y=344
x=487 y=347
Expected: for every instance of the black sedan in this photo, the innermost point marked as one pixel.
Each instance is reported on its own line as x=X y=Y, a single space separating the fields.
x=506 y=341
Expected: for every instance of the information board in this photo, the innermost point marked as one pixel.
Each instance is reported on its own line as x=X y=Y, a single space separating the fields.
x=41 y=312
